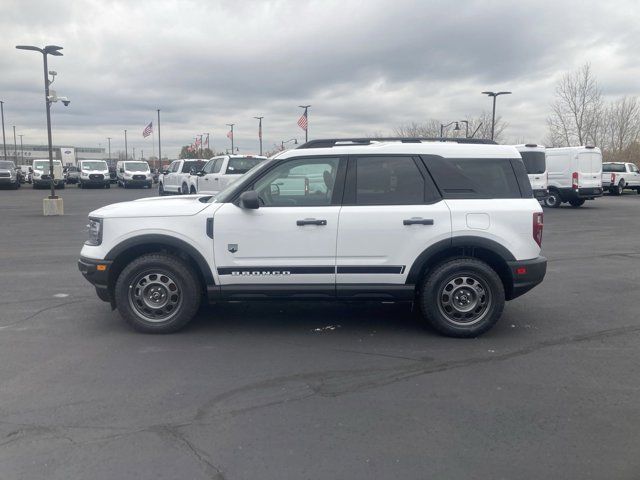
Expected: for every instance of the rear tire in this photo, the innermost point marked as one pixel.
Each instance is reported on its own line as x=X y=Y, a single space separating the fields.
x=462 y=297
x=618 y=189
x=552 y=200
x=185 y=189
x=578 y=202
x=157 y=293
x=193 y=190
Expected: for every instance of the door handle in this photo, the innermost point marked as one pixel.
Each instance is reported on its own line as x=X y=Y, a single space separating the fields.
x=310 y=221
x=418 y=221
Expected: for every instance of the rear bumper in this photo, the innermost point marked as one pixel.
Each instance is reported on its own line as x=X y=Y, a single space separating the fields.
x=98 y=278
x=526 y=274
x=586 y=193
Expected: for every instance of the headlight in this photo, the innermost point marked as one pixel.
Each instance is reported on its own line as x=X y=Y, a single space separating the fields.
x=127 y=175
x=95 y=232
x=84 y=174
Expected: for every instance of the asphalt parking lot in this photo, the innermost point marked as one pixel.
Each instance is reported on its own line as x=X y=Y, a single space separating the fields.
x=315 y=390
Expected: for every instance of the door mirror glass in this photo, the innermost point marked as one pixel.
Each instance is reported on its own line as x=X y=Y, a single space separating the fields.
x=249 y=200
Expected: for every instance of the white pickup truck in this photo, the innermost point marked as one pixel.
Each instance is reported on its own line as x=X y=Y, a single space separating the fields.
x=220 y=172
x=616 y=176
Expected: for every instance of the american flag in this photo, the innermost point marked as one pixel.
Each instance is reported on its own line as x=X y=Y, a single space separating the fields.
x=207 y=142
x=230 y=134
x=148 y=130
x=198 y=141
x=302 y=121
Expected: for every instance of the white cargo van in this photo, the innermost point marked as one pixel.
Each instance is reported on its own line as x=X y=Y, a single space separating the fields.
x=533 y=157
x=132 y=173
x=575 y=175
x=42 y=174
x=93 y=173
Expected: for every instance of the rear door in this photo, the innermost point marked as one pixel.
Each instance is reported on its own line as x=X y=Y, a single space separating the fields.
x=391 y=213
x=634 y=175
x=589 y=170
x=211 y=181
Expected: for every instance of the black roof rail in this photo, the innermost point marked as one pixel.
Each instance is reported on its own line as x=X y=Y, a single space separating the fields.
x=332 y=142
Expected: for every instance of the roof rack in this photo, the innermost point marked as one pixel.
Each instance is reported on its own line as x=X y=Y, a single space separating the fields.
x=345 y=142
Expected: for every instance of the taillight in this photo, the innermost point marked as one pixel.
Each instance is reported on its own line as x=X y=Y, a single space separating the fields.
x=574 y=180
x=613 y=178
x=538 y=223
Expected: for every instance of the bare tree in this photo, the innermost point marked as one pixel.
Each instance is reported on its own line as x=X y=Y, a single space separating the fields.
x=480 y=126
x=431 y=128
x=623 y=123
x=577 y=108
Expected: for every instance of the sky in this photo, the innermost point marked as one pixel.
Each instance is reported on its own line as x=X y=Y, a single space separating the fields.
x=365 y=67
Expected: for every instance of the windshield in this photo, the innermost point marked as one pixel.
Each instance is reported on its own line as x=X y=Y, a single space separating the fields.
x=229 y=192
x=534 y=162
x=239 y=166
x=6 y=165
x=136 y=166
x=41 y=164
x=93 y=166
x=612 y=167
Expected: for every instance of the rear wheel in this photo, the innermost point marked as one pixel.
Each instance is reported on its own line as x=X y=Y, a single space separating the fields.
x=157 y=293
x=619 y=189
x=552 y=200
x=577 y=202
x=185 y=189
x=462 y=297
x=192 y=190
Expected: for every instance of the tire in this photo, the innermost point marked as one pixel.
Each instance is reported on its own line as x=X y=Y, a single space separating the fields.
x=479 y=302
x=61 y=186
x=552 y=200
x=174 y=285
x=124 y=184
x=161 y=191
x=619 y=189
x=577 y=202
x=16 y=186
x=107 y=185
x=192 y=190
x=185 y=189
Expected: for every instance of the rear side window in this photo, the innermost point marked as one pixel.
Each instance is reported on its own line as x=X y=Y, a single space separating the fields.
x=193 y=165
x=612 y=167
x=477 y=177
x=389 y=181
x=534 y=162
x=239 y=166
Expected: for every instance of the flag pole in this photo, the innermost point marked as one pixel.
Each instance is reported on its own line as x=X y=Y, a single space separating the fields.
x=306 y=117
x=159 y=143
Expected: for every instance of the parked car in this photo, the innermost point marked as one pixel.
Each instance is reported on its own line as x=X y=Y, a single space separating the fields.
x=175 y=179
x=220 y=172
x=533 y=157
x=451 y=226
x=25 y=171
x=71 y=174
x=134 y=174
x=616 y=176
x=9 y=176
x=42 y=174
x=575 y=175
x=93 y=173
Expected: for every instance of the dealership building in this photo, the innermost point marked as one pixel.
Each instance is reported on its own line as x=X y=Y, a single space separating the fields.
x=69 y=155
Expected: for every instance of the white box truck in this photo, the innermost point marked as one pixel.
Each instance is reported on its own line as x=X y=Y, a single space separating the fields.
x=575 y=175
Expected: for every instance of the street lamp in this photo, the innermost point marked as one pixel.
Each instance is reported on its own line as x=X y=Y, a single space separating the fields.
x=260 y=131
x=493 y=115
x=230 y=135
x=442 y=127
x=21 y=150
x=283 y=142
x=109 y=140
x=54 y=51
x=15 y=146
x=4 y=141
x=126 y=149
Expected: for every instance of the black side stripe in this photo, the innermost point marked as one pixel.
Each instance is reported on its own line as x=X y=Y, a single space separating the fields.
x=284 y=270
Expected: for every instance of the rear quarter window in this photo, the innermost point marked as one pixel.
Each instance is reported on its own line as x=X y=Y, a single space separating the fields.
x=479 y=177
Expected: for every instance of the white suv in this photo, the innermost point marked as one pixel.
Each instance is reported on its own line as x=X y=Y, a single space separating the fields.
x=450 y=225
x=220 y=172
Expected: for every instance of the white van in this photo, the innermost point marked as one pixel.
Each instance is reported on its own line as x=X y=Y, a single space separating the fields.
x=134 y=173
x=93 y=173
x=42 y=174
x=575 y=175
x=533 y=157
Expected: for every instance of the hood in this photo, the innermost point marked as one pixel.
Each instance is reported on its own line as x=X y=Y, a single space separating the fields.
x=184 y=205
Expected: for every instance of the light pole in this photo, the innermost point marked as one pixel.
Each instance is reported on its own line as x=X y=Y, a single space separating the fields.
x=493 y=115
x=126 y=150
x=208 y=146
x=305 y=121
x=283 y=142
x=260 y=131
x=442 y=127
x=55 y=51
x=109 y=140
x=159 y=147
x=4 y=142
x=21 y=150
x=15 y=146
x=230 y=135
x=466 y=128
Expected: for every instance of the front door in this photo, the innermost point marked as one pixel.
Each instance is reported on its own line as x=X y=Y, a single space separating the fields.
x=392 y=212
x=291 y=239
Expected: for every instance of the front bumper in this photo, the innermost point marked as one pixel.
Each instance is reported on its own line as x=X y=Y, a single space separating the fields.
x=97 y=273
x=7 y=181
x=525 y=275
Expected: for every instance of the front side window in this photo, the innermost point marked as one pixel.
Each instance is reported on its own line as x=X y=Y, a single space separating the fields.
x=207 y=167
x=299 y=182
x=217 y=166
x=174 y=167
x=389 y=181
x=241 y=165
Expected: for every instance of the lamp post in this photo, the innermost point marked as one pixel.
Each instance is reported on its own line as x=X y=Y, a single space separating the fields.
x=159 y=146
x=260 y=131
x=306 y=121
x=4 y=142
x=230 y=135
x=493 y=114
x=21 y=150
x=442 y=127
x=283 y=142
x=55 y=51
x=15 y=146
x=109 y=140
x=126 y=150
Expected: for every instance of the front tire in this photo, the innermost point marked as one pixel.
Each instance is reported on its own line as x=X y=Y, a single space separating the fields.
x=157 y=293
x=107 y=185
x=552 y=200
x=185 y=189
x=161 y=191
x=462 y=297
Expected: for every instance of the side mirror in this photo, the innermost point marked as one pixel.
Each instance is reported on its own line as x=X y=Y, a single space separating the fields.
x=200 y=173
x=165 y=172
x=249 y=200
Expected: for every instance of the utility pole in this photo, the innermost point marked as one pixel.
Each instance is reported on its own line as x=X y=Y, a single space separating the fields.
x=21 y=150
x=159 y=147
x=4 y=141
x=15 y=146
x=260 y=131
x=109 y=140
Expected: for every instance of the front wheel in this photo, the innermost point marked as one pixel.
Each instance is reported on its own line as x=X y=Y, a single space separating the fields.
x=578 y=202
x=462 y=297
x=552 y=200
x=157 y=293
x=161 y=190
x=107 y=185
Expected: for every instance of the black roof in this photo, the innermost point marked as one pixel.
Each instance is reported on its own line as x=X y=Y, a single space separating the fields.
x=332 y=142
